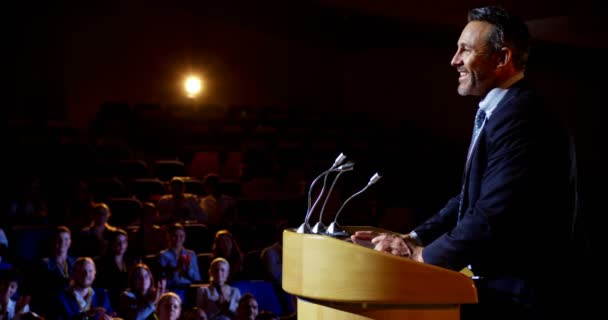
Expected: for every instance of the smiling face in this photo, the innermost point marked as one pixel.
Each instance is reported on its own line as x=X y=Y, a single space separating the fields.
x=474 y=61
x=63 y=240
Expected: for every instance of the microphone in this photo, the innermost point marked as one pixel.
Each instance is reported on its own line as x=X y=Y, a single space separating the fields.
x=334 y=229
x=320 y=227
x=305 y=227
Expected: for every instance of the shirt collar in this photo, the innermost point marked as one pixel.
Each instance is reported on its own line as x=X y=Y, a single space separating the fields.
x=491 y=100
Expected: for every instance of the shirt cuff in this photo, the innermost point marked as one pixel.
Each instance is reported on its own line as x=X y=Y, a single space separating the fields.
x=414 y=236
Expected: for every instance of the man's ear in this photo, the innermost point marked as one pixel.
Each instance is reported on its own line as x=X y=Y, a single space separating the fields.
x=504 y=57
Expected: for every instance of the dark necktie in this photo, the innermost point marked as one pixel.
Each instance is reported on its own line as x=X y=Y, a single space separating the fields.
x=480 y=116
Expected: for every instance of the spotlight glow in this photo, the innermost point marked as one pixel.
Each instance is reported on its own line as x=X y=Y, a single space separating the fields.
x=193 y=86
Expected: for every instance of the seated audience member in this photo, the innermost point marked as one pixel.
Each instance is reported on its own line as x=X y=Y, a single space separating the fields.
x=218 y=299
x=267 y=315
x=226 y=246
x=4 y=260
x=195 y=313
x=219 y=208
x=271 y=259
x=179 y=264
x=92 y=241
x=138 y=301
x=180 y=206
x=150 y=238
x=9 y=284
x=248 y=308
x=53 y=274
x=113 y=266
x=169 y=307
x=30 y=206
x=81 y=300
x=78 y=205
x=30 y=315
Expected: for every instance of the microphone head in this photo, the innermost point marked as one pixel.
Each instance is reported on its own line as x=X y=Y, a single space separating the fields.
x=349 y=166
x=341 y=157
x=334 y=230
x=374 y=178
x=319 y=228
x=304 y=228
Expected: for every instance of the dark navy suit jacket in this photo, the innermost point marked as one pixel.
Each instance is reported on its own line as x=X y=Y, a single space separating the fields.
x=67 y=307
x=517 y=201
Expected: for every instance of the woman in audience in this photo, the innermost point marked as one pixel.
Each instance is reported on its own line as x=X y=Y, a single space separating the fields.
x=218 y=299
x=138 y=301
x=169 y=307
x=112 y=267
x=9 y=308
x=226 y=246
x=179 y=264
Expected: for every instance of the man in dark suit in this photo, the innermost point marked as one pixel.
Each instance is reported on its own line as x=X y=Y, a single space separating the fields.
x=511 y=221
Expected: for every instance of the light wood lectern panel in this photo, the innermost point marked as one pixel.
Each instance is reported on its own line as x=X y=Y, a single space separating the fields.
x=335 y=279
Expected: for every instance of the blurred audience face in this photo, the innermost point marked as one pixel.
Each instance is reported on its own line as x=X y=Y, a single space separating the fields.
x=177 y=189
x=7 y=289
x=218 y=272
x=101 y=214
x=84 y=273
x=169 y=307
x=63 y=242
x=224 y=242
x=121 y=243
x=196 y=314
x=247 y=309
x=177 y=238
x=142 y=280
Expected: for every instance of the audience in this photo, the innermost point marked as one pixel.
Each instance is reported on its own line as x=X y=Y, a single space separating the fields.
x=81 y=299
x=150 y=238
x=179 y=264
x=219 y=208
x=53 y=274
x=267 y=315
x=225 y=246
x=11 y=309
x=248 y=308
x=138 y=301
x=4 y=253
x=180 y=206
x=218 y=299
x=92 y=241
x=196 y=313
x=169 y=307
x=113 y=266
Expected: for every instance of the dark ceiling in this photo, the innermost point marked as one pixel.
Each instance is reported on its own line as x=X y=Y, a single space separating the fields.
x=579 y=23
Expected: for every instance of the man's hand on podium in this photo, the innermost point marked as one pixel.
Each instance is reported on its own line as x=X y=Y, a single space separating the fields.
x=399 y=245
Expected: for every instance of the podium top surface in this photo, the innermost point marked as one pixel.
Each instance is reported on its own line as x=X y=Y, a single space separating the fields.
x=325 y=268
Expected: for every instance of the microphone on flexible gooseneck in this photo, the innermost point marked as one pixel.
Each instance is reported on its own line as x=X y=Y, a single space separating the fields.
x=319 y=226
x=334 y=228
x=305 y=227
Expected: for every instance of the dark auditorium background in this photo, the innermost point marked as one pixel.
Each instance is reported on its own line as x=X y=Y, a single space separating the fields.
x=371 y=79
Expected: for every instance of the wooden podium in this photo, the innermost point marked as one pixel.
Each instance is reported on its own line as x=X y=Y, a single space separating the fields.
x=335 y=279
